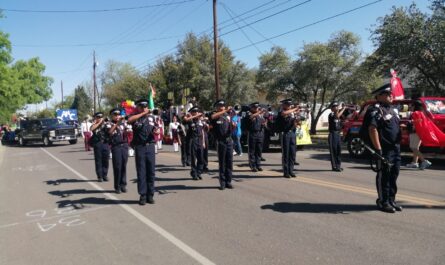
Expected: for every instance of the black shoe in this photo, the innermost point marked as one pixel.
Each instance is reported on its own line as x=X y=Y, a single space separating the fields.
x=195 y=178
x=387 y=208
x=205 y=170
x=105 y=179
x=150 y=199
x=254 y=170
x=188 y=164
x=336 y=170
x=296 y=163
x=142 y=200
x=259 y=169
x=229 y=186
x=293 y=175
x=118 y=191
x=222 y=187
x=396 y=206
x=183 y=165
x=263 y=159
x=287 y=176
x=99 y=179
x=199 y=177
x=341 y=169
x=124 y=189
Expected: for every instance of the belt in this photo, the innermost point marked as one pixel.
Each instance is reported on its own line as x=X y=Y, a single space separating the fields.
x=224 y=139
x=121 y=144
x=289 y=131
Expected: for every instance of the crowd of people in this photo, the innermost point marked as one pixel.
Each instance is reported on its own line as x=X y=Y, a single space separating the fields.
x=141 y=134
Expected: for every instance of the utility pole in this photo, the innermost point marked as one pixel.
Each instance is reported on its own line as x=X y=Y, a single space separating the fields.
x=61 y=88
x=215 y=51
x=94 y=81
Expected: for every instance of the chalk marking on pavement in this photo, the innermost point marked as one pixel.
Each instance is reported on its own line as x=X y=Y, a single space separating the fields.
x=174 y=240
x=8 y=225
x=62 y=215
x=334 y=185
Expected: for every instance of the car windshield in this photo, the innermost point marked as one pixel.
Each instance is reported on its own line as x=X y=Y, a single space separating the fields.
x=51 y=122
x=435 y=106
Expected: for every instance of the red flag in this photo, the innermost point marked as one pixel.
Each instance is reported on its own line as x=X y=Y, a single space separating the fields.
x=396 y=86
x=427 y=130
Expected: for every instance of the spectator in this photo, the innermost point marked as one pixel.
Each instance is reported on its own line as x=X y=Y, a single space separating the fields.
x=236 y=134
x=86 y=132
x=415 y=142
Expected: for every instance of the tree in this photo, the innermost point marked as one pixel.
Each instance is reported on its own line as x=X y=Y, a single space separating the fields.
x=121 y=81
x=82 y=102
x=192 y=67
x=21 y=82
x=413 y=42
x=322 y=73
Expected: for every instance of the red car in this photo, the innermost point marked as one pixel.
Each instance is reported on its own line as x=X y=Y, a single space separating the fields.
x=434 y=109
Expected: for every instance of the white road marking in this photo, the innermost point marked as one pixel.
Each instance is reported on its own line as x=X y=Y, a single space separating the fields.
x=174 y=240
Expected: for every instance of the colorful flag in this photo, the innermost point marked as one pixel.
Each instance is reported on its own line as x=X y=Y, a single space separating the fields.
x=396 y=86
x=151 y=96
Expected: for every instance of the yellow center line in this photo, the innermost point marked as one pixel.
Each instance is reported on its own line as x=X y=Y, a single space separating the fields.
x=339 y=186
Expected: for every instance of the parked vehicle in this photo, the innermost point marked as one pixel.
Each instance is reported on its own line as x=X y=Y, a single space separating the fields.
x=434 y=109
x=46 y=131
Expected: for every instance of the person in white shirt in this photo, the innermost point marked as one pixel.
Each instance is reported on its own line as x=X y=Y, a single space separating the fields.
x=86 y=132
x=173 y=133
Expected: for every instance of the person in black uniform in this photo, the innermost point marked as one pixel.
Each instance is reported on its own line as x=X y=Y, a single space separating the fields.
x=205 y=152
x=101 y=143
x=196 y=137
x=119 y=150
x=187 y=146
x=382 y=123
x=287 y=120
x=255 y=124
x=222 y=128
x=182 y=143
x=144 y=130
x=334 y=138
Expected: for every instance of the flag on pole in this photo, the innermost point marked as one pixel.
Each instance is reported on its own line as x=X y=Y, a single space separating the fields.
x=151 y=96
x=396 y=86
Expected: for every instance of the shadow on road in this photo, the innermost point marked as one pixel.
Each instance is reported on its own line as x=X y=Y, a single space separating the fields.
x=67 y=193
x=287 y=207
x=60 y=181
x=81 y=203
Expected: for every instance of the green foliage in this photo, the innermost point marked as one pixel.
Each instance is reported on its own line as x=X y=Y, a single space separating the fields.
x=191 y=67
x=45 y=113
x=322 y=73
x=82 y=102
x=21 y=82
x=413 y=42
x=121 y=81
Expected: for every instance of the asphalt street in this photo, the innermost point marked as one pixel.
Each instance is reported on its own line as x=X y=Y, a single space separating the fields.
x=53 y=211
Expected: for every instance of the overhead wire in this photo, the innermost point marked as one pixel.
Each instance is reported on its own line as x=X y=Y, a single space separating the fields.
x=94 y=10
x=243 y=32
x=311 y=24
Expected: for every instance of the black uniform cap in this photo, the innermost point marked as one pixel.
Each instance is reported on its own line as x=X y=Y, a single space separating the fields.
x=287 y=101
x=386 y=88
x=98 y=114
x=334 y=104
x=254 y=105
x=194 y=109
x=219 y=102
x=115 y=111
x=141 y=102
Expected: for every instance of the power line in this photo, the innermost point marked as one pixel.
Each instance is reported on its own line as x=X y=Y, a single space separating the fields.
x=310 y=24
x=244 y=33
x=95 y=10
x=269 y=16
x=250 y=26
x=143 y=65
x=95 y=44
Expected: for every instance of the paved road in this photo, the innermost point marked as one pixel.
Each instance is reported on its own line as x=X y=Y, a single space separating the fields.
x=52 y=211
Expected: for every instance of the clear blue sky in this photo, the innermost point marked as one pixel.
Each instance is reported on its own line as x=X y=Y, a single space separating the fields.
x=53 y=33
